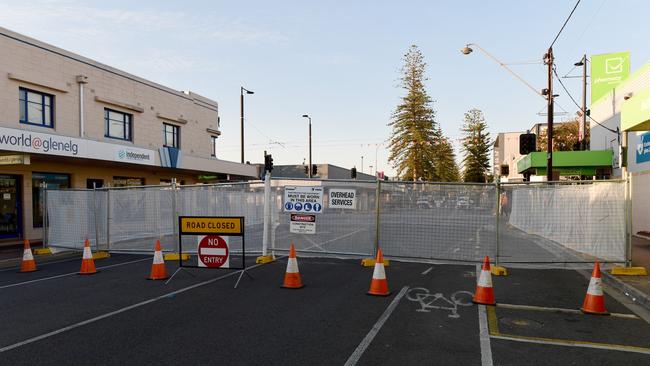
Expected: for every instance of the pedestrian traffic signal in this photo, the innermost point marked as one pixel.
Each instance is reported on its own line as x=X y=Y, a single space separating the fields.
x=353 y=173
x=527 y=143
x=268 y=162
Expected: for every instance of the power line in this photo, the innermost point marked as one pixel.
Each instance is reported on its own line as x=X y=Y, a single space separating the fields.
x=564 y=25
x=577 y=105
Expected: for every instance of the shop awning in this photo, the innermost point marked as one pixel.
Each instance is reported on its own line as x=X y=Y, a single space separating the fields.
x=567 y=162
x=635 y=112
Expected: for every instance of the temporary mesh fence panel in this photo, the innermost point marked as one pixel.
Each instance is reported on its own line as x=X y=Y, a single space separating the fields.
x=241 y=199
x=140 y=216
x=74 y=216
x=437 y=221
x=563 y=222
x=536 y=223
x=338 y=231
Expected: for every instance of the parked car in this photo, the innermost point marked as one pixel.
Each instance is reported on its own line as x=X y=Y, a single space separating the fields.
x=462 y=202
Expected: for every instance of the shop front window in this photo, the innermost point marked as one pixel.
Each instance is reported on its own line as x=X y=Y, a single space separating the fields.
x=49 y=181
x=127 y=182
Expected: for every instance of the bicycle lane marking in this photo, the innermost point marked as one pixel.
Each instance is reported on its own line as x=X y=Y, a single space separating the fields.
x=361 y=348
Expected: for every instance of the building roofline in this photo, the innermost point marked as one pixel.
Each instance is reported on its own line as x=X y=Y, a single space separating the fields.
x=98 y=65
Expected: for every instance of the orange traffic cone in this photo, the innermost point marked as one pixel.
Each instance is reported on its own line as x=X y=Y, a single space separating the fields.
x=292 y=275
x=484 y=291
x=87 y=262
x=595 y=300
x=379 y=284
x=158 y=269
x=28 y=264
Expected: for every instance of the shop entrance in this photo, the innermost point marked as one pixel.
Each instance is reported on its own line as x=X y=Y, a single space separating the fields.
x=10 y=207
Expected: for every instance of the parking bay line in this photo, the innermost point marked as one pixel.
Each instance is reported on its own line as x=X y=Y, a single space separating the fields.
x=70 y=274
x=493 y=323
x=358 y=352
x=560 y=310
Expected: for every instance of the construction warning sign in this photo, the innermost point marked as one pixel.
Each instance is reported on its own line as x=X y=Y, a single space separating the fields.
x=213 y=251
x=210 y=225
x=307 y=199
x=302 y=224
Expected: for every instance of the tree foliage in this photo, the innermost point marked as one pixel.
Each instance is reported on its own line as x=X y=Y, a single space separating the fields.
x=565 y=137
x=416 y=137
x=476 y=147
x=446 y=167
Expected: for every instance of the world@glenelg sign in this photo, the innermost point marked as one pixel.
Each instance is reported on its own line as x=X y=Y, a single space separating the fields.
x=213 y=244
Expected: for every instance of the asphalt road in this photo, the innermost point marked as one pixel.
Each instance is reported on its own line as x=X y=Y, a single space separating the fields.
x=117 y=317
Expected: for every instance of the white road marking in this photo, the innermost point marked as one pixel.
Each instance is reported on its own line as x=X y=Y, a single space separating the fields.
x=119 y=311
x=40 y=264
x=427 y=271
x=356 y=355
x=70 y=274
x=484 y=333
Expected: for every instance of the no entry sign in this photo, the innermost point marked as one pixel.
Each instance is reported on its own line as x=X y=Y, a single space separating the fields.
x=213 y=252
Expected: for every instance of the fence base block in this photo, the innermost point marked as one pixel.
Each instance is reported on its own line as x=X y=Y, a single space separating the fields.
x=370 y=262
x=264 y=259
x=629 y=271
x=41 y=251
x=101 y=255
x=498 y=271
x=176 y=256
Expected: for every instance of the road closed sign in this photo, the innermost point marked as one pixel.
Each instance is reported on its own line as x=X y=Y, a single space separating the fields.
x=213 y=251
x=307 y=199
x=343 y=198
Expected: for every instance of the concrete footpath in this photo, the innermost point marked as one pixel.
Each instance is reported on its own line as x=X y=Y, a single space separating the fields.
x=636 y=288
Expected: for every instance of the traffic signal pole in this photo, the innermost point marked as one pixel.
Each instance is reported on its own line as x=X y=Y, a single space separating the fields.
x=549 y=120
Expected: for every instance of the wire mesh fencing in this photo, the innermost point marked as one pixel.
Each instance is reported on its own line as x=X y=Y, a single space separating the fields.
x=535 y=223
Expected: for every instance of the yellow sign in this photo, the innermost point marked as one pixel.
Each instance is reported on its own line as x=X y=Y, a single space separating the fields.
x=14 y=159
x=211 y=225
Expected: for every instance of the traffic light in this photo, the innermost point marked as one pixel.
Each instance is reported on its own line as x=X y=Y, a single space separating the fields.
x=268 y=162
x=306 y=170
x=314 y=170
x=527 y=143
x=353 y=173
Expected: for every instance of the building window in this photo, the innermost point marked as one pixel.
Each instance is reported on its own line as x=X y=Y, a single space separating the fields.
x=213 y=141
x=36 y=108
x=127 y=182
x=118 y=124
x=171 y=135
x=50 y=181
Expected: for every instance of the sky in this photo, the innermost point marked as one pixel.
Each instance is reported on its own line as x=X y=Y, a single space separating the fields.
x=339 y=61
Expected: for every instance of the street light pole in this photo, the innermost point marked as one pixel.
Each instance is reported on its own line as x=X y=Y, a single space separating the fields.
x=241 y=113
x=310 y=167
x=548 y=59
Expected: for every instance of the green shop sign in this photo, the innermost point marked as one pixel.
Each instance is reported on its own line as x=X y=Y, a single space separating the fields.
x=635 y=112
x=607 y=72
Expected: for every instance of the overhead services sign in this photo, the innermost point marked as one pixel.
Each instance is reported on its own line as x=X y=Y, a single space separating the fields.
x=343 y=198
x=607 y=72
x=643 y=148
x=44 y=143
x=308 y=199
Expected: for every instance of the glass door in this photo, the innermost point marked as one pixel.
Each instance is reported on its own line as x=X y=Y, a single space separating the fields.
x=10 y=213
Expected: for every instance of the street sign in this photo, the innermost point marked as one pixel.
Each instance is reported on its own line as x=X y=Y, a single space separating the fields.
x=342 y=198
x=302 y=224
x=213 y=252
x=210 y=225
x=307 y=199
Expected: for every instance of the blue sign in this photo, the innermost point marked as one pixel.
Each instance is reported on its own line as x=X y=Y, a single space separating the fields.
x=643 y=148
x=307 y=206
x=298 y=206
x=317 y=207
x=288 y=206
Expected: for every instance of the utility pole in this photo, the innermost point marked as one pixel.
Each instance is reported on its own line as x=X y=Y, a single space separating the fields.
x=548 y=59
x=583 y=142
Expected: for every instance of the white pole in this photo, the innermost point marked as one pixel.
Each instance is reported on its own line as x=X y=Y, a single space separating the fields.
x=267 y=213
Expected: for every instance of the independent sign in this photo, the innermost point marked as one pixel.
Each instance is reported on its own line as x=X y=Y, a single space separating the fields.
x=213 y=252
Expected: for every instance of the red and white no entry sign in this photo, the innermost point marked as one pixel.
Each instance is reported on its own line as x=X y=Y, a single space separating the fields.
x=213 y=252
